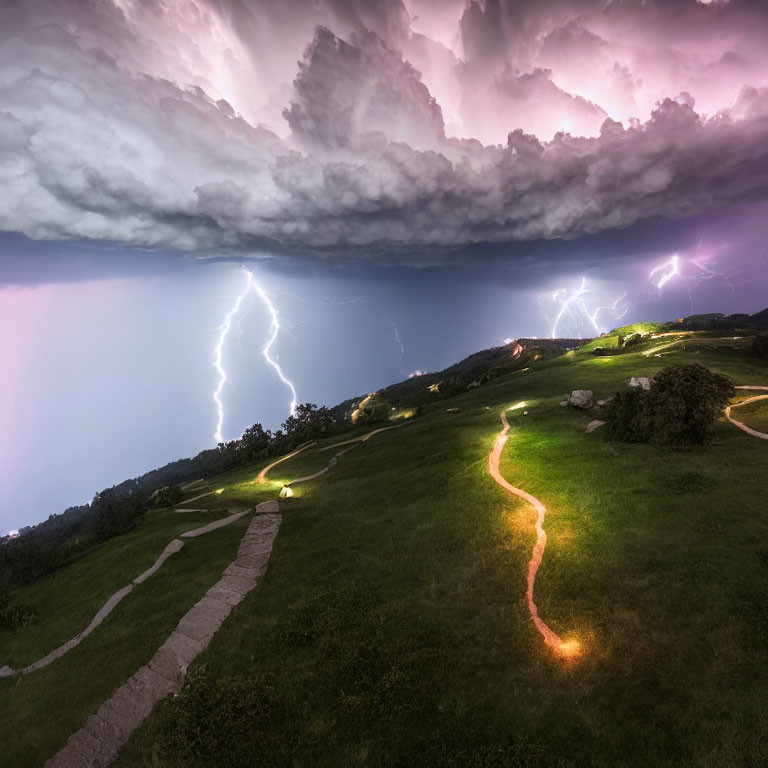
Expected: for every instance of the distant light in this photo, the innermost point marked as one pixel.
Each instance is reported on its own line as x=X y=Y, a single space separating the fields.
x=508 y=341
x=517 y=406
x=220 y=491
x=414 y=374
x=14 y=534
x=286 y=492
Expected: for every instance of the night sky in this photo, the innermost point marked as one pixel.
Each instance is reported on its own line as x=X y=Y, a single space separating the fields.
x=449 y=173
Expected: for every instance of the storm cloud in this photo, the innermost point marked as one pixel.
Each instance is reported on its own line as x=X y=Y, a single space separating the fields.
x=374 y=130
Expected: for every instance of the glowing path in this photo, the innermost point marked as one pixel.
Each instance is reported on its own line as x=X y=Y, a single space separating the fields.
x=561 y=647
x=262 y=478
x=754 y=399
x=217 y=363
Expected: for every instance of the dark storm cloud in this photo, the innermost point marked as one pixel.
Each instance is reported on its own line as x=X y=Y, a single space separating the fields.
x=117 y=126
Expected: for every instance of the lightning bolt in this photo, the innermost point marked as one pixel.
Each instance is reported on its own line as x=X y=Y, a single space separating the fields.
x=268 y=346
x=400 y=342
x=661 y=274
x=224 y=328
x=574 y=305
x=704 y=271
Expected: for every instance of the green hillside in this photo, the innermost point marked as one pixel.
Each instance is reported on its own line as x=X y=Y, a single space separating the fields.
x=391 y=627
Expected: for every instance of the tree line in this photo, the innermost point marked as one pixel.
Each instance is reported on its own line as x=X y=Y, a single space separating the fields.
x=42 y=548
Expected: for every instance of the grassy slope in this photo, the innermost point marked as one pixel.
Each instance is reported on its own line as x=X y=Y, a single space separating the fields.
x=754 y=415
x=41 y=710
x=392 y=619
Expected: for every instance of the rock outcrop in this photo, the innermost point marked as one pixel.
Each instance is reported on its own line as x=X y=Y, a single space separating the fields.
x=582 y=398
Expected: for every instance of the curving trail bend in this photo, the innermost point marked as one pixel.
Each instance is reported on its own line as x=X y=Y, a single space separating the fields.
x=754 y=399
x=551 y=638
x=262 y=478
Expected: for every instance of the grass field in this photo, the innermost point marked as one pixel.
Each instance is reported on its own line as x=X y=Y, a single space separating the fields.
x=754 y=415
x=391 y=627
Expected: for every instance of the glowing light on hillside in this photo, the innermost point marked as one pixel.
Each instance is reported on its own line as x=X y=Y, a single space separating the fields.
x=415 y=374
x=567 y=648
x=13 y=534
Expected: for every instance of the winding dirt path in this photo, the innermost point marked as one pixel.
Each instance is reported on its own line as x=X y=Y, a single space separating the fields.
x=564 y=648
x=741 y=425
x=362 y=439
x=332 y=463
x=262 y=478
x=97 y=743
x=174 y=546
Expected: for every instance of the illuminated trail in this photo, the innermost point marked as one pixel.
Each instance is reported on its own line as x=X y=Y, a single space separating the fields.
x=225 y=328
x=262 y=477
x=569 y=648
x=754 y=399
x=265 y=351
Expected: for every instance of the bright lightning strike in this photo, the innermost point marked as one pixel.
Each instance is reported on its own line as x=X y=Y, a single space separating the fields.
x=400 y=342
x=225 y=328
x=573 y=307
x=268 y=346
x=663 y=273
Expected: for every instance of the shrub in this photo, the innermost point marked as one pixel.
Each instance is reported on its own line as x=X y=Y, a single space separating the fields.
x=759 y=346
x=622 y=416
x=13 y=616
x=167 y=497
x=678 y=411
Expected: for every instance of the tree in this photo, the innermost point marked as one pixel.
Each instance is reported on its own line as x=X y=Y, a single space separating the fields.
x=168 y=496
x=678 y=411
x=255 y=442
x=759 y=346
x=309 y=422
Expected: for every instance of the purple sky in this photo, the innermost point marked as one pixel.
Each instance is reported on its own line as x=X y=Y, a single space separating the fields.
x=459 y=168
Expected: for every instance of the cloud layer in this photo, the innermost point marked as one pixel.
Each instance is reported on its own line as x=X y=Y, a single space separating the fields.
x=397 y=130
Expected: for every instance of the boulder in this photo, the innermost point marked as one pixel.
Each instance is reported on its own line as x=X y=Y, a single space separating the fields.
x=641 y=381
x=582 y=398
x=563 y=403
x=593 y=425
